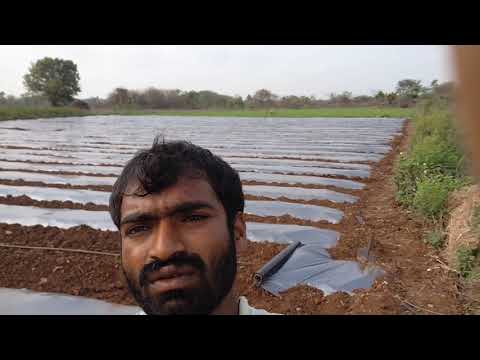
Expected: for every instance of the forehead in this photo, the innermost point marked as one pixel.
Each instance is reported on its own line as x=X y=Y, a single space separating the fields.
x=184 y=190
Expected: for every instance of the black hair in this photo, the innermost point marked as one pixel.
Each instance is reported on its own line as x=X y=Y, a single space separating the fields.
x=165 y=162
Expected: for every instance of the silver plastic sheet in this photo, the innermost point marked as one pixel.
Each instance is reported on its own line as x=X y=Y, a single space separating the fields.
x=312 y=265
x=26 y=302
x=297 y=193
x=299 y=211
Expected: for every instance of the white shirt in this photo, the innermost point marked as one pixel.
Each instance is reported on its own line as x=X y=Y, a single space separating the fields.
x=243 y=309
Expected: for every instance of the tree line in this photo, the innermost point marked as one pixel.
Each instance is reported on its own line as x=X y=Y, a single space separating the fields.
x=55 y=82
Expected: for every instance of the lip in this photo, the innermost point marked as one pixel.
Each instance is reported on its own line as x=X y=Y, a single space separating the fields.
x=171 y=277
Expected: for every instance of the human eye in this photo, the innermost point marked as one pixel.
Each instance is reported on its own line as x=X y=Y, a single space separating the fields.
x=194 y=218
x=137 y=229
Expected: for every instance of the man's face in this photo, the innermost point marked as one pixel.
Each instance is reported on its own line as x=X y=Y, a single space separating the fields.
x=178 y=255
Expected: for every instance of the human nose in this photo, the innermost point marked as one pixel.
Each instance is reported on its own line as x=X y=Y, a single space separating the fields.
x=166 y=241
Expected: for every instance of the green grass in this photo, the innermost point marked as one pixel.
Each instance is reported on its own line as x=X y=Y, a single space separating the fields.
x=467 y=262
x=366 y=112
x=13 y=113
x=393 y=112
x=432 y=193
x=475 y=221
x=436 y=238
x=433 y=167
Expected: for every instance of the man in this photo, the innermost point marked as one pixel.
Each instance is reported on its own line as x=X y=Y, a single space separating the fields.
x=179 y=210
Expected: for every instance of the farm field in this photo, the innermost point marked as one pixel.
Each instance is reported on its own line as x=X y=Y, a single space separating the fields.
x=323 y=181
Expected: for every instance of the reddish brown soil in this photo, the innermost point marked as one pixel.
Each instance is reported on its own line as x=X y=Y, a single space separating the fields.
x=19 y=147
x=412 y=274
x=14 y=128
x=58 y=186
x=26 y=201
x=100 y=276
x=96 y=276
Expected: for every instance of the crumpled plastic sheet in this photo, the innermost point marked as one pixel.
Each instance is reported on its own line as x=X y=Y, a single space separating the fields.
x=312 y=265
x=26 y=302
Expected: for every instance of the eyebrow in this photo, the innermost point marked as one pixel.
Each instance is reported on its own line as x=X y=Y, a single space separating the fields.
x=185 y=207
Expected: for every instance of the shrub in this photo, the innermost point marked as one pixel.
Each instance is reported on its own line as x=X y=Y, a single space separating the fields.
x=475 y=221
x=435 y=238
x=438 y=123
x=432 y=193
x=433 y=167
x=466 y=261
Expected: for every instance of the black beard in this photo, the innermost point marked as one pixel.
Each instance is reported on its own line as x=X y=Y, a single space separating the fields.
x=201 y=299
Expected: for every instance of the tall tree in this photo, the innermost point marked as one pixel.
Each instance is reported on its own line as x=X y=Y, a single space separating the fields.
x=264 y=97
x=55 y=78
x=380 y=95
x=119 y=96
x=409 y=88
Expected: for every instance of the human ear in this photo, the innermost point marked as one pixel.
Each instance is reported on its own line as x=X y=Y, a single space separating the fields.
x=240 y=232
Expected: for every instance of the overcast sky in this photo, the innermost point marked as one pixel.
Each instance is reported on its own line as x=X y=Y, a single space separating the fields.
x=234 y=70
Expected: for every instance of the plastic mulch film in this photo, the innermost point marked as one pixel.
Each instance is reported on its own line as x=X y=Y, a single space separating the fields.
x=299 y=211
x=57 y=179
x=287 y=234
x=26 y=302
x=298 y=193
x=54 y=194
x=312 y=265
x=301 y=180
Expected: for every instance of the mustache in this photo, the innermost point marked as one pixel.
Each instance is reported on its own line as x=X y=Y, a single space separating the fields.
x=178 y=259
